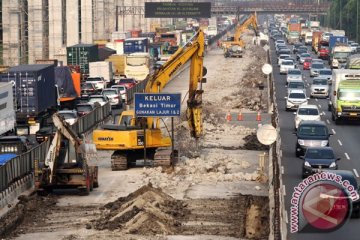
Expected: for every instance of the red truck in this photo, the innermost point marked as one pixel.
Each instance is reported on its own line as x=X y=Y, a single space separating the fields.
x=315 y=40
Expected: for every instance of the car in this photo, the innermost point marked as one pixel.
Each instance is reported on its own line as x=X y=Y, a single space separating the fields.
x=306 y=112
x=127 y=82
x=282 y=57
x=70 y=116
x=279 y=42
x=47 y=131
x=295 y=98
x=296 y=47
x=286 y=65
x=315 y=69
x=100 y=99
x=299 y=52
x=311 y=134
x=296 y=84
x=316 y=60
x=99 y=82
x=323 y=52
x=303 y=56
x=319 y=87
x=294 y=74
x=84 y=108
x=280 y=46
x=122 y=89
x=307 y=64
x=317 y=159
x=303 y=49
x=354 y=47
x=284 y=51
x=88 y=88
x=292 y=59
x=352 y=179
x=114 y=96
x=326 y=73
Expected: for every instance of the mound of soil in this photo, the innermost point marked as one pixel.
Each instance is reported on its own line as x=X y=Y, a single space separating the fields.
x=252 y=143
x=147 y=211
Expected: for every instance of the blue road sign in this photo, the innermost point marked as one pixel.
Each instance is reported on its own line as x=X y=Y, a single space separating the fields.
x=157 y=104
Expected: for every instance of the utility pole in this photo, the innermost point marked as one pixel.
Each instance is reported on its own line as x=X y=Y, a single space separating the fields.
x=357 y=20
x=340 y=10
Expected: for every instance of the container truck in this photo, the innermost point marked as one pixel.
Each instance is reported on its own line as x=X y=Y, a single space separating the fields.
x=137 y=66
x=294 y=30
x=132 y=45
x=7 y=113
x=333 y=40
x=81 y=55
x=314 y=25
x=308 y=38
x=101 y=69
x=337 y=32
x=316 y=37
x=353 y=62
x=344 y=100
x=339 y=51
x=35 y=95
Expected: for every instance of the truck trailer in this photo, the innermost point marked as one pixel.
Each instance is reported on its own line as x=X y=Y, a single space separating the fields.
x=7 y=112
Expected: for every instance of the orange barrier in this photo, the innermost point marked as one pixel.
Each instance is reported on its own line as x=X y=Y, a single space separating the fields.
x=240 y=117
x=258 y=117
x=228 y=116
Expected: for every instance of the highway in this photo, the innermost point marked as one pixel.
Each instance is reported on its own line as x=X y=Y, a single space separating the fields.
x=344 y=141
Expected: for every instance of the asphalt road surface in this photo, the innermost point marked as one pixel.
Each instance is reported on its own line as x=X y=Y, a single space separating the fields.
x=345 y=143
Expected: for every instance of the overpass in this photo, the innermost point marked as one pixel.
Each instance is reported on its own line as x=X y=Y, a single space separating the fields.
x=269 y=7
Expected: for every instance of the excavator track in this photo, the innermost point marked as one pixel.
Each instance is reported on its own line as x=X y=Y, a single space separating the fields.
x=119 y=162
x=162 y=157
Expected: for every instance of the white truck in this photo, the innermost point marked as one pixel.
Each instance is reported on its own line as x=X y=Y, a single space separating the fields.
x=101 y=69
x=7 y=112
x=137 y=66
x=308 y=38
x=344 y=100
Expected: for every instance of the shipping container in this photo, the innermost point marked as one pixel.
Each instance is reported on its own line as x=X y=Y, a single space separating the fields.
x=133 y=45
x=7 y=112
x=294 y=27
x=105 y=52
x=333 y=40
x=101 y=69
x=34 y=89
x=81 y=55
x=120 y=36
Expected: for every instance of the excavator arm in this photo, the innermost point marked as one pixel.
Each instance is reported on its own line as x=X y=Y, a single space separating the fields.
x=192 y=51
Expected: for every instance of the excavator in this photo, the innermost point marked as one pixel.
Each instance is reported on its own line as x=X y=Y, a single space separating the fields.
x=126 y=137
x=65 y=165
x=234 y=47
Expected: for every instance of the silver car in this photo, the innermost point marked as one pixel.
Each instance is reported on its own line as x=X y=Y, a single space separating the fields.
x=294 y=75
x=319 y=87
x=315 y=69
x=296 y=84
x=326 y=73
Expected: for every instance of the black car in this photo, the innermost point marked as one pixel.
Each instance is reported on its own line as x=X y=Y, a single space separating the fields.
x=317 y=159
x=296 y=47
x=311 y=134
x=348 y=175
x=47 y=131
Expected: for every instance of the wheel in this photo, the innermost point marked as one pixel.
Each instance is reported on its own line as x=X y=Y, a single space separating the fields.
x=297 y=154
x=337 y=121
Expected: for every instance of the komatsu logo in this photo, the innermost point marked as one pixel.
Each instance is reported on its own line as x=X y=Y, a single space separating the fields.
x=105 y=139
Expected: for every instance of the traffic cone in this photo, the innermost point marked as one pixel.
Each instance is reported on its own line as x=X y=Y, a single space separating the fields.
x=228 y=116
x=258 y=117
x=240 y=116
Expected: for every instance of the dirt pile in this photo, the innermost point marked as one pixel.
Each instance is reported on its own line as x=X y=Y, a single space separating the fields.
x=147 y=211
x=252 y=143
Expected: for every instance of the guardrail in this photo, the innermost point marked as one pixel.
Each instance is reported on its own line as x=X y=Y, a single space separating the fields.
x=90 y=120
x=18 y=167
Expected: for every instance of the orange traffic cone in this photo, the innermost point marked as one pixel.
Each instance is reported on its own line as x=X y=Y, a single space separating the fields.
x=258 y=117
x=240 y=116
x=228 y=116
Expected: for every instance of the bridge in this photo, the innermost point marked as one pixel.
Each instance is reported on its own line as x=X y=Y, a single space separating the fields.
x=269 y=7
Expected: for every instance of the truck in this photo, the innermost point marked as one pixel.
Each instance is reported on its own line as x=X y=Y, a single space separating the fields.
x=211 y=31
x=344 y=102
x=132 y=45
x=35 y=95
x=337 y=32
x=137 y=66
x=101 y=69
x=81 y=55
x=66 y=165
x=68 y=85
x=308 y=38
x=7 y=112
x=314 y=25
x=333 y=40
x=316 y=37
x=294 y=30
x=338 y=55
x=353 y=62
x=118 y=64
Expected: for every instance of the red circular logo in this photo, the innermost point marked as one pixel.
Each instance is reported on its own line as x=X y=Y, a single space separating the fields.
x=326 y=206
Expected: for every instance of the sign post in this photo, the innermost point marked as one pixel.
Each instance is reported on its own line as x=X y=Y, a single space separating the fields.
x=158 y=105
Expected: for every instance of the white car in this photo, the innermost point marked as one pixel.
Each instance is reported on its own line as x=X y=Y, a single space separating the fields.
x=113 y=95
x=306 y=112
x=286 y=65
x=122 y=89
x=282 y=57
x=294 y=75
x=326 y=73
x=99 y=82
x=315 y=69
x=100 y=99
x=319 y=87
x=295 y=98
x=354 y=47
x=70 y=116
x=296 y=84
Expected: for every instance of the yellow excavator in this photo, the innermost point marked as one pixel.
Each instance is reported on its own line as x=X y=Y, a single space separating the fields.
x=127 y=136
x=234 y=47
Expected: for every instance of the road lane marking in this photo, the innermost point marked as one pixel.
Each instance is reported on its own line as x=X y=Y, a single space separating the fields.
x=356 y=173
x=316 y=99
x=327 y=121
x=333 y=131
x=284 y=192
x=286 y=217
x=347 y=156
x=282 y=169
x=323 y=113
x=319 y=106
x=340 y=143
